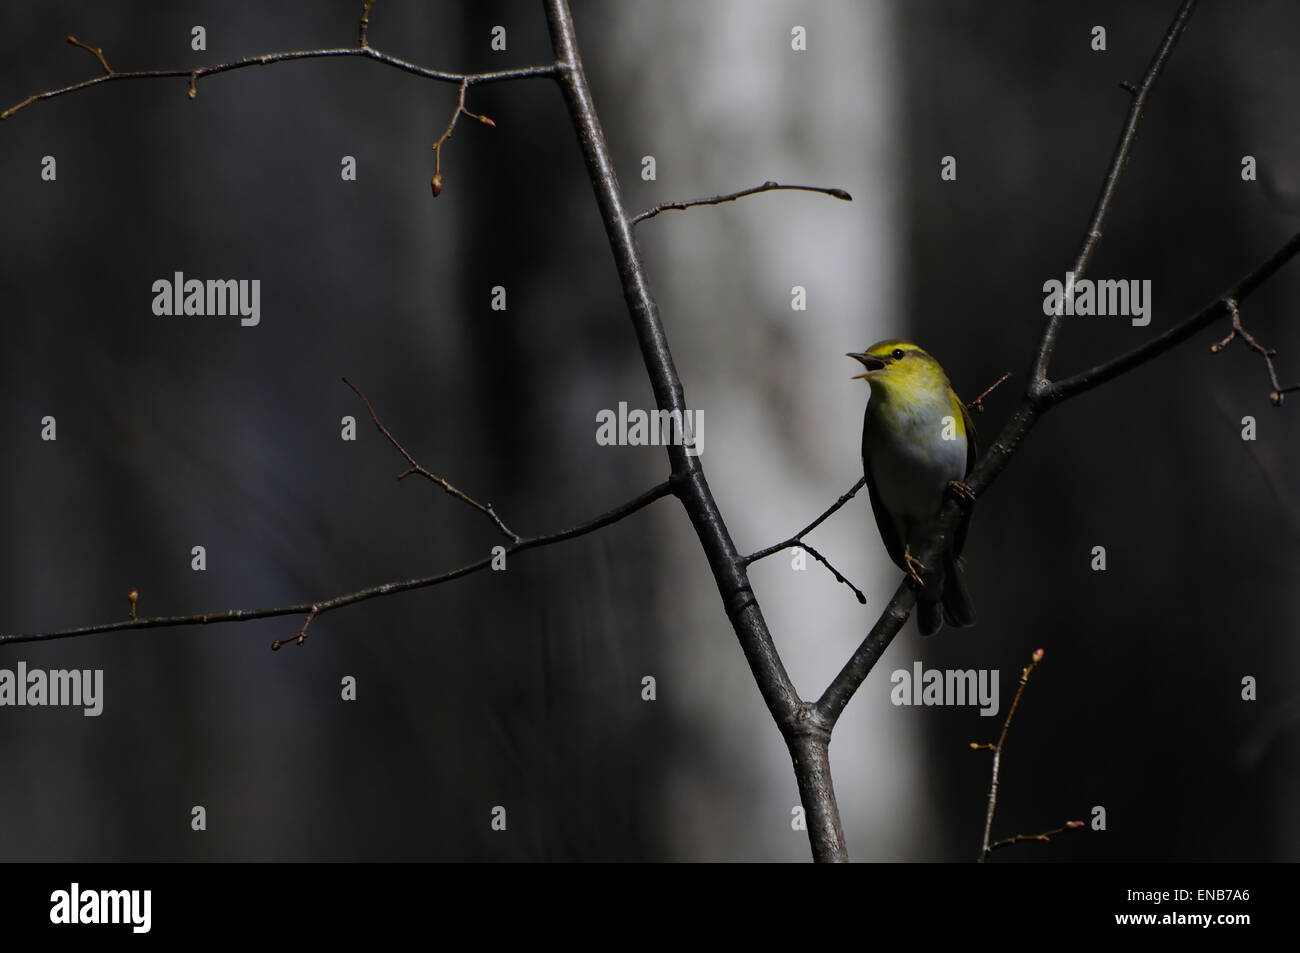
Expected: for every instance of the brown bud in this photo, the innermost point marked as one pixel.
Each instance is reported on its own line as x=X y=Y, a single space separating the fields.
x=436 y=182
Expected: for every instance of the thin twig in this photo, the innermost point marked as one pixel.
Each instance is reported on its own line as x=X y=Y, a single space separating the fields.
x=1045 y=836
x=98 y=53
x=797 y=538
x=365 y=22
x=978 y=402
x=1001 y=744
x=302 y=632
x=1217 y=309
x=1038 y=375
x=320 y=607
x=732 y=196
x=839 y=577
x=446 y=134
x=1268 y=353
x=416 y=468
x=266 y=59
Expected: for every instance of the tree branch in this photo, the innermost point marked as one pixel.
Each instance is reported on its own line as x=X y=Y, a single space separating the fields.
x=365 y=51
x=415 y=468
x=313 y=609
x=1038 y=375
x=797 y=538
x=808 y=740
x=997 y=766
x=1019 y=838
x=1216 y=310
x=842 y=688
x=768 y=186
x=978 y=403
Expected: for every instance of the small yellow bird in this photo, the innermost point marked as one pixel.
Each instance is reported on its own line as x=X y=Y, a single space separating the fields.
x=917 y=443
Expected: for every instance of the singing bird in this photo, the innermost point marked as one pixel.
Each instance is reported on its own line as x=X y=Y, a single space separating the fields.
x=918 y=443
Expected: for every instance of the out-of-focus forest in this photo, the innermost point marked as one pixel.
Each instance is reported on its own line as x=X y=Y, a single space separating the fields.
x=523 y=688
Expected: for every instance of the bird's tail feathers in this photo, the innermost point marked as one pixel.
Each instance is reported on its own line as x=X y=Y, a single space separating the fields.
x=955 y=607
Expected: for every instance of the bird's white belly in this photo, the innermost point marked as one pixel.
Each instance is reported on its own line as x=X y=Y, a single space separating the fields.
x=911 y=474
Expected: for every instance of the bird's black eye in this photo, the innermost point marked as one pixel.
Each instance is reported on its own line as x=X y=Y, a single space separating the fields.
x=898 y=354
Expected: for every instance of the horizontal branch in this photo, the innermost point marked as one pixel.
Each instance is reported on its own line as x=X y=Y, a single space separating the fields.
x=313 y=609
x=266 y=59
x=1041 y=838
x=768 y=186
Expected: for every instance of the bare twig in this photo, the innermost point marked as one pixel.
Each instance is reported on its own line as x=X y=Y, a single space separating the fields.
x=302 y=632
x=978 y=402
x=266 y=59
x=451 y=125
x=1268 y=353
x=417 y=469
x=364 y=28
x=997 y=750
x=797 y=538
x=768 y=186
x=1061 y=390
x=321 y=606
x=839 y=577
x=1038 y=375
x=95 y=51
x=1045 y=836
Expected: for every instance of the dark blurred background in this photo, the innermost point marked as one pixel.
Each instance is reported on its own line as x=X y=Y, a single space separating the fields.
x=523 y=688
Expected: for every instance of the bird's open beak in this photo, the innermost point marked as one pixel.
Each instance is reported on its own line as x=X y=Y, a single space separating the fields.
x=872 y=364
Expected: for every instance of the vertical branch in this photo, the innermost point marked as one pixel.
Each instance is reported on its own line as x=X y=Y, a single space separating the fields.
x=798 y=721
x=810 y=754
x=1001 y=744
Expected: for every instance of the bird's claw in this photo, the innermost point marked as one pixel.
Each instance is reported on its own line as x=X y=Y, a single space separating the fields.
x=914 y=568
x=962 y=492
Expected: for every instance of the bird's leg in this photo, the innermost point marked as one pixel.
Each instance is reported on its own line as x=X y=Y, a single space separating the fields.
x=914 y=567
x=964 y=494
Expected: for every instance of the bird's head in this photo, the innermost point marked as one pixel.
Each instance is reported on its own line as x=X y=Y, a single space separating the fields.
x=899 y=367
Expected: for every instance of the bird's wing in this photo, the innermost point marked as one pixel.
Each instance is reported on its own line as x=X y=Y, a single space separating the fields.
x=972 y=448
x=893 y=545
x=972 y=454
